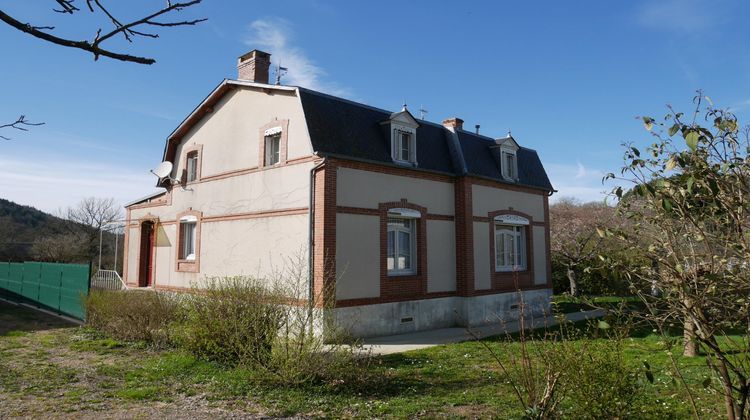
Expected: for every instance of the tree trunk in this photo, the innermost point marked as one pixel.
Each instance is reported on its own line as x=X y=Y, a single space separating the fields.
x=691 y=348
x=572 y=280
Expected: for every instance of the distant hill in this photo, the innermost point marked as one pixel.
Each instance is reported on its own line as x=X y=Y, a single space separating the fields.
x=21 y=225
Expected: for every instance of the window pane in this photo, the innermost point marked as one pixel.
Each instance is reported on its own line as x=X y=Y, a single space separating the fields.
x=509 y=257
x=405 y=146
x=499 y=251
x=391 y=249
x=272 y=149
x=188 y=240
x=404 y=250
x=192 y=167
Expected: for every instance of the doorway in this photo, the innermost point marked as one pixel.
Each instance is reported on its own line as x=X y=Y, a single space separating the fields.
x=146 y=256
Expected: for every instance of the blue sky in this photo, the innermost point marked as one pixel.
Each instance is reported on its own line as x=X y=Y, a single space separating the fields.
x=568 y=78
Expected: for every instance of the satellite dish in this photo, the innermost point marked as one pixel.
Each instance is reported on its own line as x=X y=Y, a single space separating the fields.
x=163 y=170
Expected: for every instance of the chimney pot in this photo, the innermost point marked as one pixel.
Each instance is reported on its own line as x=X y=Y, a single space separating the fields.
x=254 y=66
x=455 y=123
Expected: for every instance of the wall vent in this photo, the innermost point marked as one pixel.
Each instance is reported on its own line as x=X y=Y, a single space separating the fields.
x=407 y=319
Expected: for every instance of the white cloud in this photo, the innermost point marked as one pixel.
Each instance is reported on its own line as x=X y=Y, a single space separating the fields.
x=50 y=184
x=274 y=36
x=682 y=16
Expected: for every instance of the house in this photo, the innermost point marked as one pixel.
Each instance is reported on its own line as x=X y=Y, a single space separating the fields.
x=412 y=225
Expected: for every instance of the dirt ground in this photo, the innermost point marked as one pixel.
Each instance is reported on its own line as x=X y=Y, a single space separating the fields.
x=46 y=372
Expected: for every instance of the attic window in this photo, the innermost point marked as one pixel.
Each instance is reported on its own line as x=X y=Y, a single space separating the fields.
x=402 y=129
x=404 y=146
x=509 y=165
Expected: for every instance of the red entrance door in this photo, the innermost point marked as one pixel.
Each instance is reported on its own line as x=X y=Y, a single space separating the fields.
x=146 y=257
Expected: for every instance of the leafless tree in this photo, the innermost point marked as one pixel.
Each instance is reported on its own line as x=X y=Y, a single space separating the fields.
x=573 y=236
x=81 y=241
x=68 y=247
x=129 y=30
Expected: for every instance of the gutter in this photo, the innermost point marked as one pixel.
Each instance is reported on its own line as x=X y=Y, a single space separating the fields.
x=311 y=239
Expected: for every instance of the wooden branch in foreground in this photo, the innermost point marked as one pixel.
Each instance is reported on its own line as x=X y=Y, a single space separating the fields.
x=128 y=30
x=18 y=124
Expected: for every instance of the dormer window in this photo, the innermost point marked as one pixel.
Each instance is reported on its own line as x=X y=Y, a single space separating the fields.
x=510 y=167
x=508 y=157
x=402 y=129
x=404 y=146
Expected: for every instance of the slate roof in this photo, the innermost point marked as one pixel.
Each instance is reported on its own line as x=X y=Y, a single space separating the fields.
x=346 y=129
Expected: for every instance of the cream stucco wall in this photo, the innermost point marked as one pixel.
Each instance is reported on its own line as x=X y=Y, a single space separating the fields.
x=482 y=260
x=230 y=134
x=488 y=199
x=357 y=256
x=254 y=244
x=441 y=256
x=357 y=188
x=540 y=255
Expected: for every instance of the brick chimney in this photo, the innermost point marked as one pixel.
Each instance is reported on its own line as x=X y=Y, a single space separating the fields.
x=454 y=123
x=254 y=66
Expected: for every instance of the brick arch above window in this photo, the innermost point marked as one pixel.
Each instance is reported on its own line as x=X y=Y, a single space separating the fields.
x=414 y=285
x=508 y=280
x=282 y=124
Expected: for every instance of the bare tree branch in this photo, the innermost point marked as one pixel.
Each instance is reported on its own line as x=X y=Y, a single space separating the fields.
x=128 y=30
x=19 y=124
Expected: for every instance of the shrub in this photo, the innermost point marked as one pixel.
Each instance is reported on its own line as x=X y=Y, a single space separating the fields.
x=232 y=320
x=132 y=315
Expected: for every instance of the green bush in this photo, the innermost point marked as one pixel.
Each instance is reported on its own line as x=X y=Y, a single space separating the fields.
x=133 y=315
x=232 y=320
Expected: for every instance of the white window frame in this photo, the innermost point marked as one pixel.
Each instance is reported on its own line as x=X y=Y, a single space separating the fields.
x=192 y=166
x=403 y=215
x=509 y=165
x=511 y=230
x=272 y=157
x=397 y=145
x=188 y=231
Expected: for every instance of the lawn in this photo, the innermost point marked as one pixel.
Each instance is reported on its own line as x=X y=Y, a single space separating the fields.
x=51 y=369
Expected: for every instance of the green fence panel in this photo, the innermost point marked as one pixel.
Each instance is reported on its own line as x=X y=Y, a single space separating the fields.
x=30 y=285
x=4 y=273
x=15 y=278
x=74 y=285
x=49 y=285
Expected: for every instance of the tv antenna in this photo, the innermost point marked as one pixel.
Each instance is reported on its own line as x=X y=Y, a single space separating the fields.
x=163 y=171
x=422 y=112
x=280 y=71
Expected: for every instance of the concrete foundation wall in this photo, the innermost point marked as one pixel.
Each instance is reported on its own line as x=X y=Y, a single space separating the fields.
x=426 y=314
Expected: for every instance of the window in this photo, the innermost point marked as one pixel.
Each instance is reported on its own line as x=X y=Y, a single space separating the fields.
x=401 y=256
x=272 y=149
x=510 y=168
x=192 y=166
x=187 y=239
x=510 y=247
x=405 y=146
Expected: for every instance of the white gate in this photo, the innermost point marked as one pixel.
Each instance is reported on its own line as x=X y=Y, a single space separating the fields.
x=107 y=280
